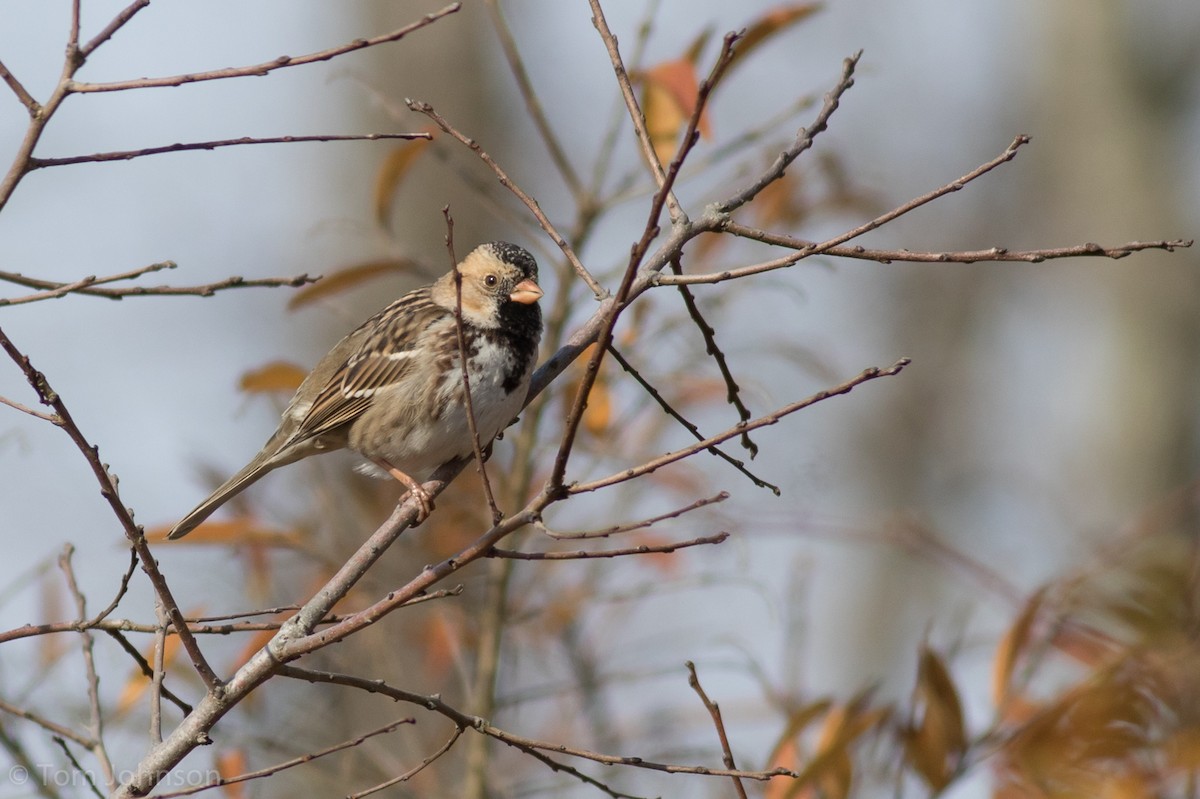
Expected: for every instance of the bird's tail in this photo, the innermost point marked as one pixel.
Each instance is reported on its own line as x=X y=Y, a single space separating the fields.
x=229 y=489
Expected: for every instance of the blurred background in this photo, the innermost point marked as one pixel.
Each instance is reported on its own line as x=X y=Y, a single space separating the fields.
x=1050 y=409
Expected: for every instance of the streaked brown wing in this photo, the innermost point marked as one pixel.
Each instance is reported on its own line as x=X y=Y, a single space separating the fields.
x=382 y=360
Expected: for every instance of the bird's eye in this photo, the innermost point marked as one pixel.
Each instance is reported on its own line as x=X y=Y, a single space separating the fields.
x=491 y=280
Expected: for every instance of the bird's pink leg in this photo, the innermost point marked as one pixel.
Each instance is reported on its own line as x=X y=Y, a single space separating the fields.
x=424 y=501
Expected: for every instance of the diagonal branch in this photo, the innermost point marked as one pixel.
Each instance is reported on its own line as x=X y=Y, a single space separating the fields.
x=803 y=140
x=267 y=66
x=583 y=554
x=691 y=428
x=533 y=105
x=634 y=108
x=732 y=391
x=112 y=27
x=763 y=421
x=129 y=155
x=506 y=181
x=718 y=222
x=18 y=88
x=108 y=489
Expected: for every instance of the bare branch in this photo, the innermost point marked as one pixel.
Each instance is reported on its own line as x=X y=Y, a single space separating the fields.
x=90 y=286
x=626 y=292
x=582 y=554
x=412 y=772
x=472 y=424
x=654 y=393
x=112 y=27
x=46 y=724
x=79 y=769
x=715 y=712
x=640 y=525
x=287 y=764
x=763 y=421
x=804 y=140
x=992 y=254
x=146 y=669
x=533 y=105
x=108 y=489
x=46 y=417
x=528 y=745
x=129 y=155
x=732 y=391
x=506 y=181
x=816 y=249
x=634 y=108
x=31 y=105
x=267 y=66
x=96 y=717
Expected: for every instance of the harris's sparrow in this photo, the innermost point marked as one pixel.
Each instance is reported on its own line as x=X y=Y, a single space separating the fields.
x=392 y=390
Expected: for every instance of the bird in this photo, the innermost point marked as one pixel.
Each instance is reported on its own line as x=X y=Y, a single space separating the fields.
x=393 y=390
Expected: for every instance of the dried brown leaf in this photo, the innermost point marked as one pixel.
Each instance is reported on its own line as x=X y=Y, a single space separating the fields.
x=937 y=742
x=1011 y=647
x=771 y=23
x=276 y=376
x=670 y=91
x=349 y=277
x=393 y=171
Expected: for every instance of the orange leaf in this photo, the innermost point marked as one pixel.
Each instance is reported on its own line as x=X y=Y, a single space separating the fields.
x=348 y=278
x=439 y=642
x=669 y=98
x=939 y=739
x=278 y=376
x=774 y=21
x=232 y=763
x=395 y=167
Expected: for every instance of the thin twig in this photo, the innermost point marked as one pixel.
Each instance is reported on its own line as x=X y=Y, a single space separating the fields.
x=804 y=140
x=435 y=704
x=287 y=764
x=644 y=549
x=463 y=359
x=148 y=670
x=533 y=105
x=79 y=769
x=412 y=772
x=634 y=109
x=639 y=525
x=762 y=421
x=89 y=287
x=158 y=673
x=715 y=712
x=625 y=293
x=108 y=489
x=733 y=393
x=506 y=181
x=657 y=396
x=31 y=105
x=112 y=27
x=129 y=155
x=45 y=417
x=816 y=249
x=46 y=724
x=96 y=716
x=992 y=254
x=267 y=66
